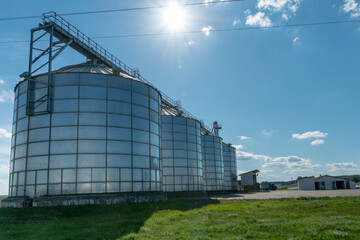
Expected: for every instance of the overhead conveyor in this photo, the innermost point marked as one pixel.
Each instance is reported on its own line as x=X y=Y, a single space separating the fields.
x=60 y=34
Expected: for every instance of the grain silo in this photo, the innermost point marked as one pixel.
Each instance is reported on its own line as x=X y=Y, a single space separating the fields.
x=90 y=133
x=101 y=134
x=230 y=167
x=213 y=164
x=181 y=154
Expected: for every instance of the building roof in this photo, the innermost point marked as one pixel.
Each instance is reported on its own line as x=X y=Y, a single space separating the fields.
x=317 y=178
x=302 y=178
x=328 y=176
x=253 y=171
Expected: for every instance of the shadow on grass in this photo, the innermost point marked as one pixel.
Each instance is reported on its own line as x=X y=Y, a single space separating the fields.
x=236 y=194
x=85 y=222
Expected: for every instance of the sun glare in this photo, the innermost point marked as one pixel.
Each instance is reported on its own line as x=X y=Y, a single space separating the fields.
x=174 y=18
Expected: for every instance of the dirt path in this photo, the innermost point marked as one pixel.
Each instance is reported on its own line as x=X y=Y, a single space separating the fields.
x=289 y=194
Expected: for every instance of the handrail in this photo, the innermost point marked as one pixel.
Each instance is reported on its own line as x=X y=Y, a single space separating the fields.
x=107 y=57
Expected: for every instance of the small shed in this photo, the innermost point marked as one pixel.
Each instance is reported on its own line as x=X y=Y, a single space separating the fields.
x=249 y=180
x=325 y=182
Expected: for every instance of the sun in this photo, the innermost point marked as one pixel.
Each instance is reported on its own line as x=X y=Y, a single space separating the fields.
x=174 y=18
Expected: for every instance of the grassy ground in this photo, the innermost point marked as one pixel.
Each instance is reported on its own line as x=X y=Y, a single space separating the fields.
x=322 y=218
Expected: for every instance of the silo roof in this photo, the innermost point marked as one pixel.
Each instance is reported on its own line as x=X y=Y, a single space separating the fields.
x=92 y=66
x=86 y=67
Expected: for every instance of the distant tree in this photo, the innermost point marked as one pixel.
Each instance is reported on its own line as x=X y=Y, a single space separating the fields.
x=355 y=178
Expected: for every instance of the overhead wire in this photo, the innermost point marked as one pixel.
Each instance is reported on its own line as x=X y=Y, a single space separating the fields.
x=122 y=9
x=213 y=30
x=229 y=29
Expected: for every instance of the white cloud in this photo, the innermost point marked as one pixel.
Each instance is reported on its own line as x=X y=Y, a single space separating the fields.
x=352 y=7
x=4 y=133
x=2 y=81
x=289 y=165
x=240 y=155
x=302 y=170
x=292 y=164
x=6 y=96
x=243 y=137
x=207 y=30
x=259 y=19
x=5 y=143
x=5 y=148
x=285 y=16
x=267 y=132
x=238 y=146
x=287 y=8
x=4 y=174
x=247 y=12
x=4 y=171
x=236 y=22
x=4 y=186
x=296 y=41
x=349 y=5
x=317 y=142
x=277 y=5
x=344 y=166
x=314 y=134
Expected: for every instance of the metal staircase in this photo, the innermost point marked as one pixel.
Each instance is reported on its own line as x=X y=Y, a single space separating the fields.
x=68 y=35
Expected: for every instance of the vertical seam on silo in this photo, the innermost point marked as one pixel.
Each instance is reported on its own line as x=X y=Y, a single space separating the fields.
x=187 y=155
x=49 y=146
x=159 y=112
x=214 y=187
x=27 y=143
x=14 y=147
x=224 y=149
x=132 y=139
x=204 y=162
x=77 y=134
x=173 y=152
x=49 y=80
x=161 y=180
x=150 y=156
x=106 y=134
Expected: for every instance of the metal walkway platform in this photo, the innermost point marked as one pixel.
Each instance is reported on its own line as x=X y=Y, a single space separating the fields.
x=69 y=35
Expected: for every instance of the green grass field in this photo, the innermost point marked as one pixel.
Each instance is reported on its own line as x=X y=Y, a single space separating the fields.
x=322 y=218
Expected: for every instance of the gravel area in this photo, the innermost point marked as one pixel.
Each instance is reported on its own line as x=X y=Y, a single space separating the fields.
x=290 y=194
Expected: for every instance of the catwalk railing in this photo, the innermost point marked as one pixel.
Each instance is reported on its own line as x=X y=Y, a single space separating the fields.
x=91 y=49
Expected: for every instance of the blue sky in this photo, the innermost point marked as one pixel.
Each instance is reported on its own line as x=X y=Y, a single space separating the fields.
x=287 y=97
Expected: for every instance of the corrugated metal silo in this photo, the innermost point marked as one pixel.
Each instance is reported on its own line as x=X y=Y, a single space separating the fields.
x=102 y=135
x=181 y=154
x=230 y=167
x=213 y=165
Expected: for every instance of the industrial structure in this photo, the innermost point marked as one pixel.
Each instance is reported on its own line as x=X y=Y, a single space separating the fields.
x=181 y=154
x=230 y=167
x=102 y=135
x=249 y=180
x=325 y=182
x=91 y=133
x=213 y=162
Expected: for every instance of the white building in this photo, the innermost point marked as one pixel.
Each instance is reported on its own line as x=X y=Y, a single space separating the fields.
x=325 y=182
x=249 y=181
